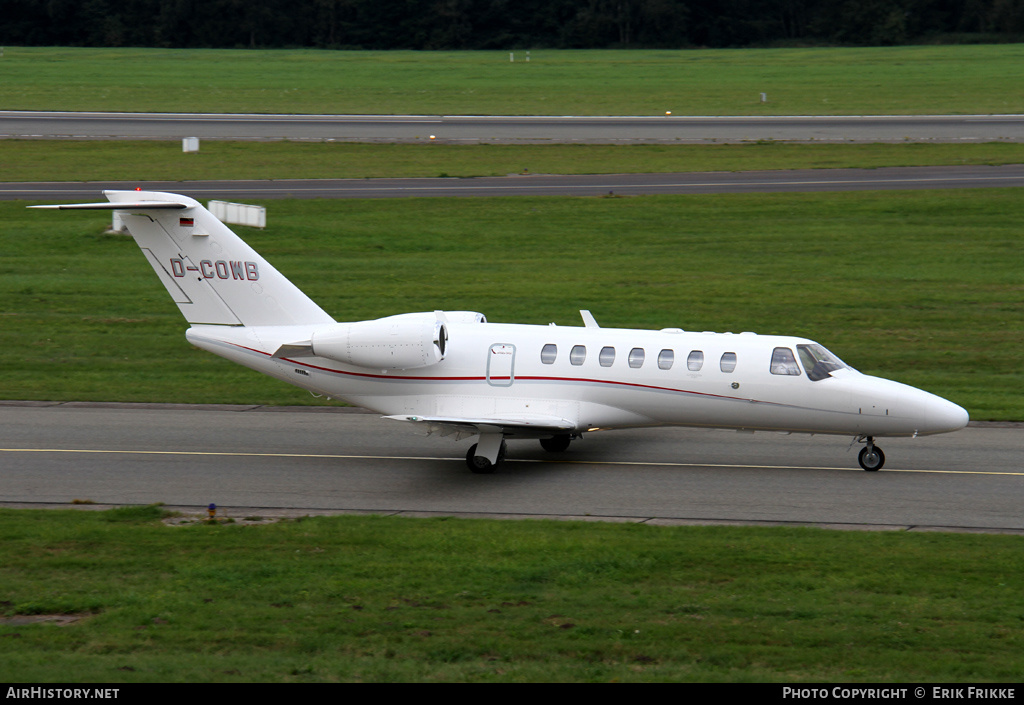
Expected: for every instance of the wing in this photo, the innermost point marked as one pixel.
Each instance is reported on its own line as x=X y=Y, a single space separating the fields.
x=513 y=425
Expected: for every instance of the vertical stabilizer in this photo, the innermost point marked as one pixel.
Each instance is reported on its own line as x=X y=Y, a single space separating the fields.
x=212 y=274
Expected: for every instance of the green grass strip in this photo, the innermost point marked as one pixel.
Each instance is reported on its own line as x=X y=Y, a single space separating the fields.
x=396 y=599
x=809 y=81
x=97 y=160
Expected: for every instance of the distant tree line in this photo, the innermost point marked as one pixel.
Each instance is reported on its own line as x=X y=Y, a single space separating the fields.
x=504 y=24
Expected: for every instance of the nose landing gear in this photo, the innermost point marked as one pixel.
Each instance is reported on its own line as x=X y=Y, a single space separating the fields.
x=871 y=457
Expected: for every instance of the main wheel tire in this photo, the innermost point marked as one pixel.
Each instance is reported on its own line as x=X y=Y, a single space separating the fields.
x=871 y=459
x=556 y=444
x=479 y=464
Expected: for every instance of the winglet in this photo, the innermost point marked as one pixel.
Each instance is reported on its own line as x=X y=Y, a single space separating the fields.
x=588 y=319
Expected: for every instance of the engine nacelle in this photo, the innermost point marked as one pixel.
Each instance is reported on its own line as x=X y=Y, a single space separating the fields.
x=394 y=343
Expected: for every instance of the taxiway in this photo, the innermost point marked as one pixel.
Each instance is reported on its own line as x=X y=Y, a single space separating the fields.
x=325 y=460
x=515 y=129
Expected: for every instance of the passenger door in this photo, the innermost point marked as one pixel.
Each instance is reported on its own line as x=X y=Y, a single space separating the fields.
x=501 y=358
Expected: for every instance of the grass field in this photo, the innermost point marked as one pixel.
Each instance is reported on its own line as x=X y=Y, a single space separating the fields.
x=828 y=81
x=97 y=160
x=397 y=599
x=923 y=287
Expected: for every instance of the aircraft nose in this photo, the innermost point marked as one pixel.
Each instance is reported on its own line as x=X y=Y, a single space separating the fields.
x=915 y=410
x=945 y=416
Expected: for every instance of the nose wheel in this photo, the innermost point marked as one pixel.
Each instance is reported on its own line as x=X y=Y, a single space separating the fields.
x=871 y=457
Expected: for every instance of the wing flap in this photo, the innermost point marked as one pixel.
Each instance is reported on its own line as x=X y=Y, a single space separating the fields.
x=517 y=425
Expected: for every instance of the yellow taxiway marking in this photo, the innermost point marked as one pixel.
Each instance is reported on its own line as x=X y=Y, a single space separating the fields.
x=239 y=454
x=242 y=454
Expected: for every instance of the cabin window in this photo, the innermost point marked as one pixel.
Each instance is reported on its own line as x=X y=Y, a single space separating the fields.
x=665 y=359
x=784 y=362
x=728 y=362
x=548 y=353
x=606 y=357
x=636 y=357
x=578 y=354
x=695 y=360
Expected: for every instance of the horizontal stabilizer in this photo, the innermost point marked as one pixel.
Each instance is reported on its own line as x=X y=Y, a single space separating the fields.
x=137 y=205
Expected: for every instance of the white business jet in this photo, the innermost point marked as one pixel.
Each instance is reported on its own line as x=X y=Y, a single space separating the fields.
x=453 y=372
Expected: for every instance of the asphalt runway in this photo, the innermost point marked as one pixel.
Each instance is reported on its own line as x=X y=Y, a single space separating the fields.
x=790 y=181
x=461 y=129
x=270 y=460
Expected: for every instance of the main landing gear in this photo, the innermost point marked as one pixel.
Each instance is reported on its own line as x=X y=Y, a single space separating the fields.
x=556 y=444
x=482 y=465
x=871 y=457
x=478 y=457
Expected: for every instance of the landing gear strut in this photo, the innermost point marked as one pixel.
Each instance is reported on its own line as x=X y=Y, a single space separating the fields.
x=871 y=457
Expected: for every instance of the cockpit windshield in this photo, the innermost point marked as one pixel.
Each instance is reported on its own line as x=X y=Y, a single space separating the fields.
x=819 y=362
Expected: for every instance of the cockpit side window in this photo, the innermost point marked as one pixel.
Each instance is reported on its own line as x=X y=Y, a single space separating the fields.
x=784 y=362
x=819 y=362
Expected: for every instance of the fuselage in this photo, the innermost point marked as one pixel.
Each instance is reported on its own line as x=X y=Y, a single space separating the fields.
x=599 y=378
